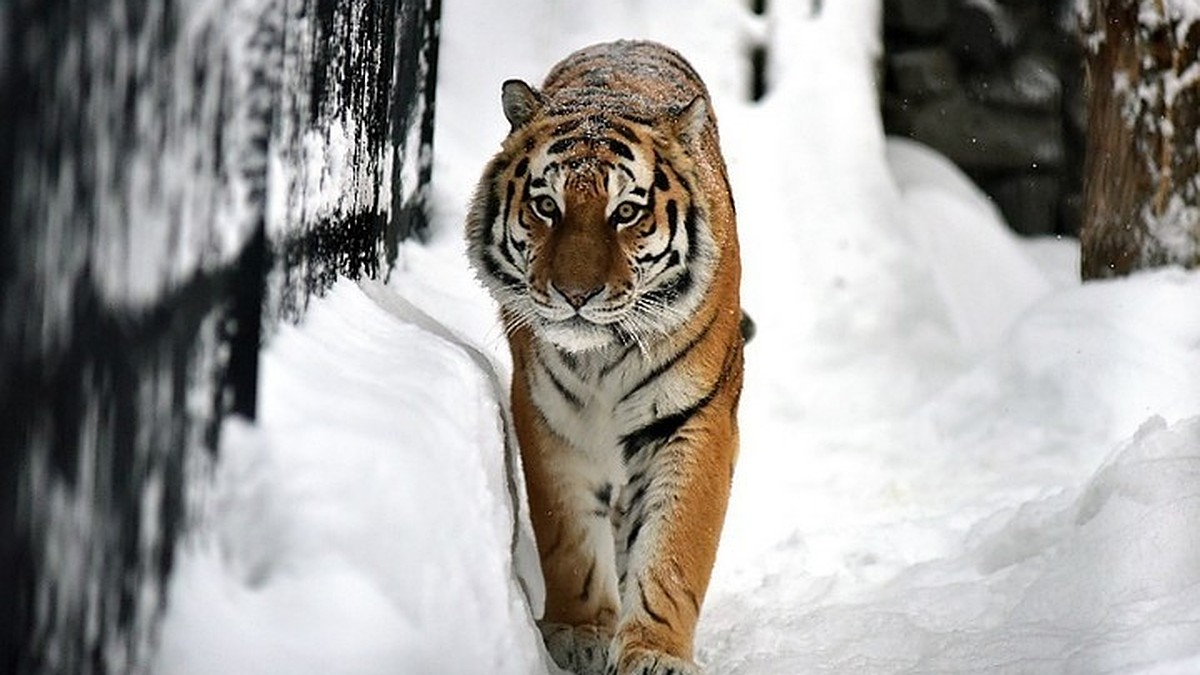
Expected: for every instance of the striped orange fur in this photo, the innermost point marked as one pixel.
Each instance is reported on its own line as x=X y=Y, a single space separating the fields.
x=605 y=230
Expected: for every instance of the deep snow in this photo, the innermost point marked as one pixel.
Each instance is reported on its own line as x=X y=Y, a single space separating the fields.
x=955 y=457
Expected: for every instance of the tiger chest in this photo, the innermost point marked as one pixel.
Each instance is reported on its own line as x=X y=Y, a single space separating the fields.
x=599 y=406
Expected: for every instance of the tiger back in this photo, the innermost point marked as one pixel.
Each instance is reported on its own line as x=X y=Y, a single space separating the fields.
x=605 y=230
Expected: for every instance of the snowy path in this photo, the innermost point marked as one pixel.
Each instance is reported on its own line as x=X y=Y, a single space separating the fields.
x=955 y=458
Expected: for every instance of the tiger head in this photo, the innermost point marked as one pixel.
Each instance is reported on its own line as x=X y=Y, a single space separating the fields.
x=589 y=225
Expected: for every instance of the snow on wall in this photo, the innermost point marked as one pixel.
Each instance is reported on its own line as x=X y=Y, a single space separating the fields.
x=148 y=166
x=136 y=207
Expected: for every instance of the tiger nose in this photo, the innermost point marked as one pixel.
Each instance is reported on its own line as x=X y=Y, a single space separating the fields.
x=576 y=295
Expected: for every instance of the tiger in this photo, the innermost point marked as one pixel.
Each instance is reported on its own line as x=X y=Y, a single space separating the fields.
x=605 y=230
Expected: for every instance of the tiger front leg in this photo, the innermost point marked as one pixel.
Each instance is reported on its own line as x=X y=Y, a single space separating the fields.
x=570 y=501
x=674 y=507
x=575 y=543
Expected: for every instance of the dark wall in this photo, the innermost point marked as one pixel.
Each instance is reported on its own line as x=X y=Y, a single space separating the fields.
x=996 y=86
x=165 y=185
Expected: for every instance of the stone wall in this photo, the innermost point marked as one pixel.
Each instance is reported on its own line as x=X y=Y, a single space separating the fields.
x=995 y=85
x=171 y=172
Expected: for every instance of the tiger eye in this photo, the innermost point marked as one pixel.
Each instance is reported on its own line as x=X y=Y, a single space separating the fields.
x=546 y=207
x=626 y=212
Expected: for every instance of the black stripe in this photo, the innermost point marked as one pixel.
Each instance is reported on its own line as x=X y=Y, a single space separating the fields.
x=493 y=269
x=619 y=148
x=624 y=131
x=664 y=428
x=672 y=224
x=635 y=504
x=561 y=145
x=669 y=363
x=508 y=195
x=506 y=246
x=690 y=223
x=651 y=258
x=660 y=179
x=604 y=494
x=637 y=191
x=506 y=251
x=676 y=289
x=491 y=210
x=498 y=168
x=567 y=126
x=683 y=182
x=634 y=531
x=637 y=119
x=512 y=241
x=570 y=361
x=678 y=63
x=562 y=388
x=522 y=167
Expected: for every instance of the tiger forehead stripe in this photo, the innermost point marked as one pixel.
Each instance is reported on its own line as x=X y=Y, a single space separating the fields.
x=617 y=147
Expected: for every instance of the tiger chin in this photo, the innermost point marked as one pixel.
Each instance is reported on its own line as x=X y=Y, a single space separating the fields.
x=605 y=230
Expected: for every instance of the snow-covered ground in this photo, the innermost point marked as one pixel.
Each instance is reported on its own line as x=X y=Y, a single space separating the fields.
x=955 y=457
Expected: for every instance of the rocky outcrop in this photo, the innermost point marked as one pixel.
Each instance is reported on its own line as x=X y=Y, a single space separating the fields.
x=995 y=85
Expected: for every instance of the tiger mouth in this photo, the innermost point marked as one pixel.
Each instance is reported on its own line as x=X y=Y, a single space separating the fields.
x=575 y=322
x=577 y=333
x=582 y=317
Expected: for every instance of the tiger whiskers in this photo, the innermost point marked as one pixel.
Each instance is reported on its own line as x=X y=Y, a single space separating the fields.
x=626 y=324
x=518 y=316
x=652 y=312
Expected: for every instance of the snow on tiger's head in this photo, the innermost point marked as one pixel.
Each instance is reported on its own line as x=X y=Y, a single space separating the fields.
x=587 y=226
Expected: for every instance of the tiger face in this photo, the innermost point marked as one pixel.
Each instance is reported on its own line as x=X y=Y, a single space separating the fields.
x=587 y=229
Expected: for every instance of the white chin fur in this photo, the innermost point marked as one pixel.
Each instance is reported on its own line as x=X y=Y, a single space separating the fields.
x=575 y=338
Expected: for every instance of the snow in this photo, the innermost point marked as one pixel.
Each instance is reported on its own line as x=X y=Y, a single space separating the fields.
x=314 y=558
x=955 y=457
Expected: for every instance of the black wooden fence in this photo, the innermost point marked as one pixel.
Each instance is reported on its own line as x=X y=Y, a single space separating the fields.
x=156 y=211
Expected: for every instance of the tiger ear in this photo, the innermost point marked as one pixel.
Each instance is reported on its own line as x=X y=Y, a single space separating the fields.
x=521 y=102
x=689 y=122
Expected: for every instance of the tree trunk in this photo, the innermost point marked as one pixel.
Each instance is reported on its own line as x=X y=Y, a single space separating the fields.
x=1142 y=172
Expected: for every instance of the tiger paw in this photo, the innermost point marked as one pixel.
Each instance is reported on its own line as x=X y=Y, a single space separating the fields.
x=583 y=650
x=646 y=662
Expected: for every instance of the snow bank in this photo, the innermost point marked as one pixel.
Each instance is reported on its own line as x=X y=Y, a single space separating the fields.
x=1103 y=578
x=363 y=525
x=965 y=243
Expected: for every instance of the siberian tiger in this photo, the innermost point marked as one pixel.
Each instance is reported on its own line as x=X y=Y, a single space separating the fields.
x=605 y=230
